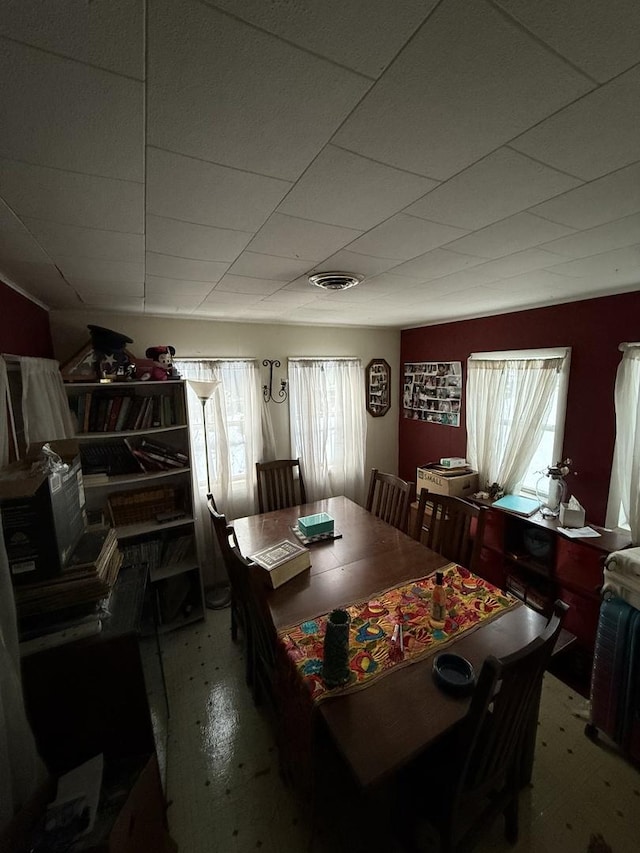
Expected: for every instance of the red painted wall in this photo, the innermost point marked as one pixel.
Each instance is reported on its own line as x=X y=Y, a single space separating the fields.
x=592 y=328
x=24 y=326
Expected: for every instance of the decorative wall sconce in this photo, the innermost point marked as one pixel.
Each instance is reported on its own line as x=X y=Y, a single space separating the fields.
x=267 y=389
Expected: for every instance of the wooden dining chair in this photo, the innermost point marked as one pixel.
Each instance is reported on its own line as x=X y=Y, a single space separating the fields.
x=451 y=526
x=389 y=498
x=280 y=484
x=475 y=772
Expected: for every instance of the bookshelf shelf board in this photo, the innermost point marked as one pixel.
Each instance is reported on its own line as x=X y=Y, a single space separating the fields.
x=123 y=479
x=124 y=433
x=138 y=383
x=195 y=616
x=127 y=531
x=174 y=569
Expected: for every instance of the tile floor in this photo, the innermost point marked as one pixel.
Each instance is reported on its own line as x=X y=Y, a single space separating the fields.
x=225 y=794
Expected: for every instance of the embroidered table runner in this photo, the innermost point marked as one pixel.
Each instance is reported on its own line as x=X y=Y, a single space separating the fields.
x=471 y=601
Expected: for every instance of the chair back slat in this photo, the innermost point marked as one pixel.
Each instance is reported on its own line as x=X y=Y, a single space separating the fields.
x=280 y=484
x=389 y=498
x=455 y=527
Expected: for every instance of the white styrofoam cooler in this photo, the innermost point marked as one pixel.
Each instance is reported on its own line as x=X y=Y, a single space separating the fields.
x=622 y=575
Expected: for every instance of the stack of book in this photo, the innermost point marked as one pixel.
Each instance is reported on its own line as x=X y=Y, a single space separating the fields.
x=156 y=456
x=87 y=578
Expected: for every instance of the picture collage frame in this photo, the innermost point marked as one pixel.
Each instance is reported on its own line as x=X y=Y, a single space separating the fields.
x=432 y=392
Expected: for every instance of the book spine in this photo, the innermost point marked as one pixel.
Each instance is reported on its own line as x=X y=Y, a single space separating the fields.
x=88 y=398
x=122 y=414
x=115 y=411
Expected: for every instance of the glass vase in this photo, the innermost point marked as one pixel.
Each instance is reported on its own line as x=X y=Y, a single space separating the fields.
x=557 y=490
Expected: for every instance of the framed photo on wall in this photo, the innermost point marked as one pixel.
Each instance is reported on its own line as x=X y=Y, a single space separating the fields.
x=378 y=387
x=432 y=392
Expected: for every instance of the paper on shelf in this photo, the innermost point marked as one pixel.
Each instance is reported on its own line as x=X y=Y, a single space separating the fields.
x=578 y=532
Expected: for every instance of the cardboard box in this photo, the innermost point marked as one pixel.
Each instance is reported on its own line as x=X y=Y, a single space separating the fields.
x=43 y=516
x=314 y=525
x=459 y=486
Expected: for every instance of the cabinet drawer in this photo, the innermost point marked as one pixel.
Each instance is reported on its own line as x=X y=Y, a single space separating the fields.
x=579 y=566
x=582 y=617
x=494 y=530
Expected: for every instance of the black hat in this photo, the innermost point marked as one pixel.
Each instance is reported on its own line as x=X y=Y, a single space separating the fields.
x=106 y=340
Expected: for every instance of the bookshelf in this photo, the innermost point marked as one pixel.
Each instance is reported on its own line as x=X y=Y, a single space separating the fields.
x=136 y=461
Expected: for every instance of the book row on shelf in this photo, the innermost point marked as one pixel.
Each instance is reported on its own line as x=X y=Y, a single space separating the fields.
x=97 y=411
x=100 y=461
x=154 y=552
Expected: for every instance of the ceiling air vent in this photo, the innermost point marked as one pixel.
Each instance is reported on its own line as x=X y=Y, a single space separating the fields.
x=335 y=280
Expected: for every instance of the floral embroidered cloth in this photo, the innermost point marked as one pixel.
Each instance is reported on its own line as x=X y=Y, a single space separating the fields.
x=376 y=645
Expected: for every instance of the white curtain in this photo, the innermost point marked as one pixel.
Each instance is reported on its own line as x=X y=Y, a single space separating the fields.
x=45 y=408
x=233 y=421
x=328 y=425
x=508 y=402
x=4 y=420
x=21 y=770
x=624 y=489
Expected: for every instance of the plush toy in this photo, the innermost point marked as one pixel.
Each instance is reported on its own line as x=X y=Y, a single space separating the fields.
x=162 y=358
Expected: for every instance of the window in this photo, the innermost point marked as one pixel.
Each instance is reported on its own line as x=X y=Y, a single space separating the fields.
x=623 y=508
x=233 y=421
x=516 y=402
x=328 y=425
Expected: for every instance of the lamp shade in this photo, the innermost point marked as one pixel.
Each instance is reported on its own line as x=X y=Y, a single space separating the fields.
x=203 y=388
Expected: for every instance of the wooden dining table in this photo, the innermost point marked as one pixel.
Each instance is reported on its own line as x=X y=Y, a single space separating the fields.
x=381 y=728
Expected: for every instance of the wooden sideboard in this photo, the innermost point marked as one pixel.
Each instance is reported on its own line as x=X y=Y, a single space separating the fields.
x=531 y=559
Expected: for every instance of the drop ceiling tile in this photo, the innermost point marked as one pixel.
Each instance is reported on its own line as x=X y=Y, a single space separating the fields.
x=514 y=234
x=90 y=287
x=199 y=242
x=58 y=294
x=389 y=283
x=467 y=83
x=289 y=298
x=291 y=237
x=73 y=267
x=20 y=245
x=599 y=36
x=159 y=285
x=60 y=240
x=612 y=197
x=519 y=262
x=109 y=35
x=362 y=35
x=613 y=235
x=241 y=284
x=229 y=93
x=9 y=220
x=404 y=237
x=255 y=265
x=60 y=113
x=30 y=275
x=346 y=261
x=341 y=188
x=181 y=303
x=595 y=135
x=436 y=263
x=120 y=304
x=501 y=184
x=608 y=265
x=223 y=297
x=534 y=281
x=206 y=194
x=72 y=199
x=184 y=268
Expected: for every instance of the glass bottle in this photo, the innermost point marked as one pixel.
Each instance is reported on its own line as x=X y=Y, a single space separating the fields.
x=557 y=494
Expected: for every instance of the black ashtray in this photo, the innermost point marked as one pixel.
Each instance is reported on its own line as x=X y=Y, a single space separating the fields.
x=454 y=674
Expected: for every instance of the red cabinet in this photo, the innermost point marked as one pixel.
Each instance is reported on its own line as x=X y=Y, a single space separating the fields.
x=579 y=566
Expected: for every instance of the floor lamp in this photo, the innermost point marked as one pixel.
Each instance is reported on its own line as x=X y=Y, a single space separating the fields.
x=204 y=389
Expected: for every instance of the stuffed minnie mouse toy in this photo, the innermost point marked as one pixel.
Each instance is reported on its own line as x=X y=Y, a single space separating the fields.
x=162 y=358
